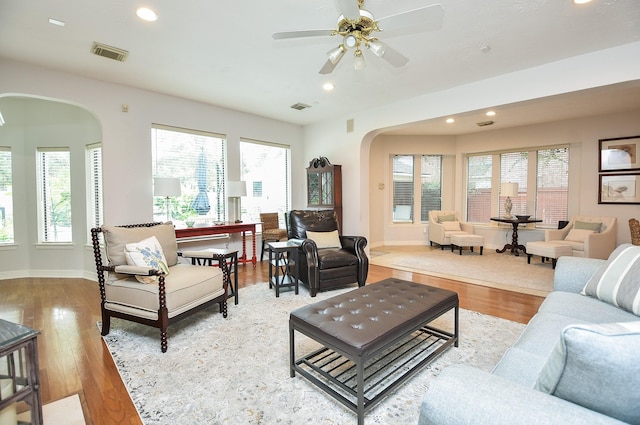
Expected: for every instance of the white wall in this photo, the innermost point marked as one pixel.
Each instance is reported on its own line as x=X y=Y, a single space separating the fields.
x=127 y=149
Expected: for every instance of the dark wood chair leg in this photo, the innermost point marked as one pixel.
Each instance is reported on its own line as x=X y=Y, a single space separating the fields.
x=106 y=323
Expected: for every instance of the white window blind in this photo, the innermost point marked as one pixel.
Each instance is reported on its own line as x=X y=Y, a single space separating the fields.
x=95 y=215
x=6 y=196
x=54 y=194
x=430 y=185
x=552 y=199
x=403 y=188
x=265 y=169
x=197 y=158
x=479 y=174
x=513 y=169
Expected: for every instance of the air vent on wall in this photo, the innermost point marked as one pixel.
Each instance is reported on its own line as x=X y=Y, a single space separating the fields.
x=109 y=52
x=300 y=106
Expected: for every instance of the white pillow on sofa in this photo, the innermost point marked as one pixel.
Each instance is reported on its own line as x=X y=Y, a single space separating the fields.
x=451 y=225
x=578 y=235
x=596 y=366
x=146 y=253
x=325 y=239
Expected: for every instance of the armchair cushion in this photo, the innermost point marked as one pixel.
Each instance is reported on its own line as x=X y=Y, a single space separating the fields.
x=325 y=239
x=451 y=226
x=446 y=217
x=617 y=281
x=595 y=366
x=117 y=237
x=578 y=235
x=588 y=225
x=147 y=252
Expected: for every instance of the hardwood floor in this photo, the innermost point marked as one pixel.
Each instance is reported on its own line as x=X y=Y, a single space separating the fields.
x=74 y=359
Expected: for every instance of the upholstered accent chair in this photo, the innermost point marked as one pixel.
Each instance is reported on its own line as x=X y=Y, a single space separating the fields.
x=444 y=224
x=271 y=231
x=588 y=236
x=143 y=281
x=327 y=259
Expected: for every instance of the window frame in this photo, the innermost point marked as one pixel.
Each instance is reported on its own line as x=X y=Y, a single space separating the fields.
x=43 y=210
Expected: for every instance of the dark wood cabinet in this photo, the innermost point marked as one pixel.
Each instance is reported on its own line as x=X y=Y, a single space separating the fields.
x=324 y=186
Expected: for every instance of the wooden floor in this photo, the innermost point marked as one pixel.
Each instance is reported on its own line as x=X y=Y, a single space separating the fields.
x=74 y=359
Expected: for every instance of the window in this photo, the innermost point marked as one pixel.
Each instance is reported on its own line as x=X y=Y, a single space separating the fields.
x=198 y=159
x=543 y=184
x=6 y=197
x=54 y=194
x=95 y=216
x=479 y=170
x=402 y=188
x=430 y=185
x=265 y=168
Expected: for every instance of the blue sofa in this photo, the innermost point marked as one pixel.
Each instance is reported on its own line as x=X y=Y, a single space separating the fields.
x=576 y=362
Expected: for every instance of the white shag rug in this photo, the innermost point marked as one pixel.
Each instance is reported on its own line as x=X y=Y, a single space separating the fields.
x=236 y=370
x=502 y=271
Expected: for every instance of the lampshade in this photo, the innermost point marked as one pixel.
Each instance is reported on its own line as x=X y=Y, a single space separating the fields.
x=509 y=189
x=359 y=63
x=166 y=186
x=336 y=54
x=236 y=189
x=376 y=47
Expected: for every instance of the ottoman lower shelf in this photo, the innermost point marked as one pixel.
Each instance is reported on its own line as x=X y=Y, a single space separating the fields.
x=360 y=374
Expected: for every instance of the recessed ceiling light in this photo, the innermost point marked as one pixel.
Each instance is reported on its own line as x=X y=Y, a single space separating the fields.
x=328 y=86
x=56 y=22
x=491 y=113
x=450 y=120
x=581 y=1
x=147 y=14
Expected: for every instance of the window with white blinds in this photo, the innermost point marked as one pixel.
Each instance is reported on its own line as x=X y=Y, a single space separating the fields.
x=6 y=196
x=403 y=188
x=513 y=169
x=430 y=185
x=54 y=194
x=479 y=175
x=266 y=170
x=197 y=158
x=552 y=198
x=95 y=215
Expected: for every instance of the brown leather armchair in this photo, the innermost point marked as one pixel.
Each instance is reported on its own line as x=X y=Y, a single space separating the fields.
x=326 y=268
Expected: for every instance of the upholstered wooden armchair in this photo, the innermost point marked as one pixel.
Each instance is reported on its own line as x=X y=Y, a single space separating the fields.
x=142 y=280
x=327 y=259
x=444 y=224
x=588 y=236
x=271 y=231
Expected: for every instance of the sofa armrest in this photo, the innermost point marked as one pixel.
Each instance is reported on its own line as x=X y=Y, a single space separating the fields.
x=573 y=273
x=466 y=395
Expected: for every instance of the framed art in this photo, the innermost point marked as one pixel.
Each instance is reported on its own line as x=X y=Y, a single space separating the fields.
x=619 y=188
x=620 y=154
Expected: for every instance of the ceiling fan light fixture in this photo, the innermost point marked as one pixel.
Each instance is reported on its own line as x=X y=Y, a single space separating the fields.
x=359 y=63
x=336 y=54
x=376 y=47
x=350 y=40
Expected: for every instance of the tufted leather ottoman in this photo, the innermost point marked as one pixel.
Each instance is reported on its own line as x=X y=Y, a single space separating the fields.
x=373 y=338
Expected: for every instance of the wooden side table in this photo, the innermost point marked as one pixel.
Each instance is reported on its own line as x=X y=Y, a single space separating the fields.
x=514 y=246
x=19 y=371
x=283 y=265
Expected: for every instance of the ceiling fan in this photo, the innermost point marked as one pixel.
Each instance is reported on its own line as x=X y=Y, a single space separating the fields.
x=357 y=26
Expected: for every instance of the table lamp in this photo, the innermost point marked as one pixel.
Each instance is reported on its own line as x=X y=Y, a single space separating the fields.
x=235 y=190
x=167 y=187
x=508 y=190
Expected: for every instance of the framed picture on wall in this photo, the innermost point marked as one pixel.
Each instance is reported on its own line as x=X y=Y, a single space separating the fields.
x=619 y=154
x=619 y=188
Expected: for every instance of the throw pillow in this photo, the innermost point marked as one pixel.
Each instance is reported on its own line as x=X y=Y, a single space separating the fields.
x=325 y=239
x=451 y=225
x=617 y=281
x=596 y=366
x=588 y=225
x=578 y=235
x=146 y=253
x=446 y=217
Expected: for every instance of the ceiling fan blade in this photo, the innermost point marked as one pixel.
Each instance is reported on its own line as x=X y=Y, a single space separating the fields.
x=426 y=19
x=349 y=9
x=303 y=33
x=328 y=67
x=394 y=57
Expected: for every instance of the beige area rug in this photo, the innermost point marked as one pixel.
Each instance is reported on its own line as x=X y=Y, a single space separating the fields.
x=502 y=271
x=235 y=371
x=66 y=411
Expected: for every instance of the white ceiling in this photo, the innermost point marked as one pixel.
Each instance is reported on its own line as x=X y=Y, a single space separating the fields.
x=222 y=52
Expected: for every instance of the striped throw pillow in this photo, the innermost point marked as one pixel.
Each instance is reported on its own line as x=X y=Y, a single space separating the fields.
x=617 y=282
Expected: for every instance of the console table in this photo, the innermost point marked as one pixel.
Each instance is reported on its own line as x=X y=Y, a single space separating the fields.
x=220 y=229
x=19 y=371
x=515 y=222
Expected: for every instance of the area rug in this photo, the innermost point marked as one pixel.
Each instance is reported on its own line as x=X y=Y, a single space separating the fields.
x=236 y=370
x=66 y=411
x=502 y=271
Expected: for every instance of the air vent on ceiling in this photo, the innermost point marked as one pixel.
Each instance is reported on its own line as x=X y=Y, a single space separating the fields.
x=109 y=52
x=300 y=106
x=484 y=123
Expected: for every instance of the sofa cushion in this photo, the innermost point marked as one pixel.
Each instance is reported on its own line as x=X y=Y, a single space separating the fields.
x=596 y=366
x=520 y=366
x=617 y=281
x=583 y=308
x=451 y=225
x=588 y=225
x=117 y=237
x=325 y=239
x=578 y=235
x=146 y=253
